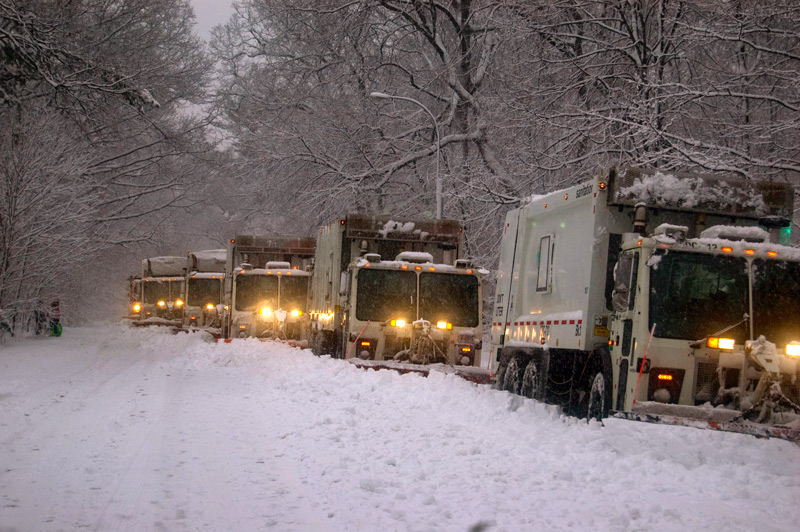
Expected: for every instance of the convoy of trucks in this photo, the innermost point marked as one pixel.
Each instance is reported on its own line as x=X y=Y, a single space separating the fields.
x=654 y=296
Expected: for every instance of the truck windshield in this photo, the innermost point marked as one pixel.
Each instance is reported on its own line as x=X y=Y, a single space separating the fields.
x=201 y=292
x=776 y=300
x=253 y=291
x=449 y=297
x=155 y=291
x=694 y=295
x=383 y=295
x=294 y=291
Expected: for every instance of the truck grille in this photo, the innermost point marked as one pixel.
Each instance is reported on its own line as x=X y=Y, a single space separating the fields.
x=706 y=382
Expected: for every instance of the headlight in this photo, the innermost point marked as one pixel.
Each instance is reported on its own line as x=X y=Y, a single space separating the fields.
x=398 y=323
x=720 y=343
x=444 y=325
x=265 y=311
x=162 y=303
x=210 y=306
x=179 y=302
x=793 y=349
x=137 y=307
x=297 y=313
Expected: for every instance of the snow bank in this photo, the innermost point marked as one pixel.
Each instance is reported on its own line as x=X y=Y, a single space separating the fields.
x=116 y=428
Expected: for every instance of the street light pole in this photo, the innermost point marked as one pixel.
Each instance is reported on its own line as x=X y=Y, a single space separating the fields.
x=384 y=96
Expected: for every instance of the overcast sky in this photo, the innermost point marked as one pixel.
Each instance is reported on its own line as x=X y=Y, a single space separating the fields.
x=211 y=13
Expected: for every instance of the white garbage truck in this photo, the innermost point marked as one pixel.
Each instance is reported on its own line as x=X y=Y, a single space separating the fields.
x=266 y=287
x=392 y=289
x=655 y=295
x=203 y=307
x=157 y=295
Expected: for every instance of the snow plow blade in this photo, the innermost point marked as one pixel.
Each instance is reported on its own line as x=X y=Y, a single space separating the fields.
x=301 y=344
x=742 y=427
x=470 y=373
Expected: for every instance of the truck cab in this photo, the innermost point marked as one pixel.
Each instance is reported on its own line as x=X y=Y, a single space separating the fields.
x=717 y=311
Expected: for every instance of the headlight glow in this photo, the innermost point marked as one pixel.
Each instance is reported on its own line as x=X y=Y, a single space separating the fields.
x=209 y=306
x=444 y=325
x=793 y=349
x=162 y=303
x=179 y=302
x=265 y=311
x=296 y=313
x=398 y=323
x=137 y=307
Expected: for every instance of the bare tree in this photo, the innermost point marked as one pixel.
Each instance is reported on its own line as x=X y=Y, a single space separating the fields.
x=106 y=88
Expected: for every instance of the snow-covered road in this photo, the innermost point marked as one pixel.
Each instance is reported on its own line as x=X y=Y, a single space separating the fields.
x=111 y=428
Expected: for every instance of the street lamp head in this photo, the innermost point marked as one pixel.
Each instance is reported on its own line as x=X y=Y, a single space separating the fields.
x=379 y=96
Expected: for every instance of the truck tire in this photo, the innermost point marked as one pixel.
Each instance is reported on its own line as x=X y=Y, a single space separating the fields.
x=597 y=404
x=320 y=344
x=530 y=381
x=512 y=380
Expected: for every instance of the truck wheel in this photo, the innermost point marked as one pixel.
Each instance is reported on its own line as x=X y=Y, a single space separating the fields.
x=318 y=344
x=530 y=381
x=512 y=380
x=597 y=398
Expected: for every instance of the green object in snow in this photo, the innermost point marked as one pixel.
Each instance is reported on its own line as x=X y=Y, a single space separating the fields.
x=55 y=329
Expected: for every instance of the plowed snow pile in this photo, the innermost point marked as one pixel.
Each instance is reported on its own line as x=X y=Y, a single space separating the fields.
x=111 y=428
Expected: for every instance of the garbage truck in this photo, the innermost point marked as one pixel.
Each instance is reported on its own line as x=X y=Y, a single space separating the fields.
x=266 y=287
x=395 y=290
x=654 y=295
x=203 y=307
x=157 y=295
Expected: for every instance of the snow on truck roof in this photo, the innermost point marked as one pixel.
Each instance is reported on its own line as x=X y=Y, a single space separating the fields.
x=700 y=193
x=681 y=191
x=388 y=227
x=166 y=266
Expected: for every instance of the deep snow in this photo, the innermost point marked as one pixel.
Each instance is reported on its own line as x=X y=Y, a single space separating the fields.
x=111 y=428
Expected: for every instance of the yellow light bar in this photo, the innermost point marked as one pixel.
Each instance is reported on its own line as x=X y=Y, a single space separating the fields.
x=793 y=349
x=664 y=377
x=466 y=349
x=243 y=326
x=365 y=343
x=727 y=249
x=720 y=343
x=296 y=313
x=444 y=325
x=772 y=253
x=750 y=251
x=398 y=323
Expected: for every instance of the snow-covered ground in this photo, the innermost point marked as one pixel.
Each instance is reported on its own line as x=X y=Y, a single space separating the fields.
x=111 y=428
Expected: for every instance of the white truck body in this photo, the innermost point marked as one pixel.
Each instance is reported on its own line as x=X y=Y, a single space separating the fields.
x=588 y=273
x=158 y=295
x=266 y=287
x=203 y=306
x=390 y=289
